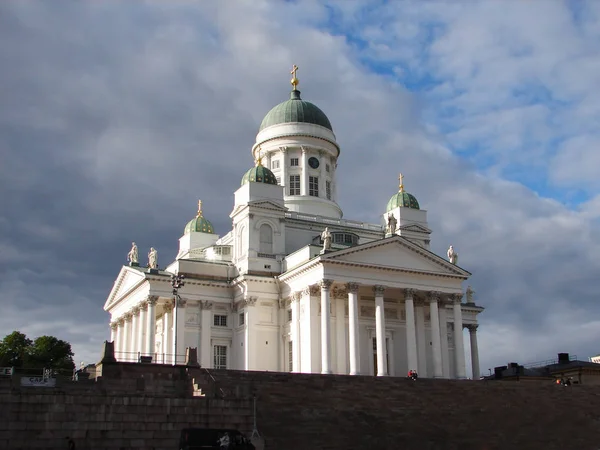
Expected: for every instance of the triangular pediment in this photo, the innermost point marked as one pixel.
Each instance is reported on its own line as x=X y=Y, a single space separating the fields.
x=267 y=204
x=128 y=279
x=396 y=253
x=262 y=204
x=415 y=228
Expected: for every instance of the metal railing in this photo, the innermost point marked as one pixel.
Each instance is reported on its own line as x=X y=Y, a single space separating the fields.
x=149 y=358
x=547 y=362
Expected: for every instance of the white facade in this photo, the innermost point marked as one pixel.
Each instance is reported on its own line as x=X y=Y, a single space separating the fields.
x=266 y=296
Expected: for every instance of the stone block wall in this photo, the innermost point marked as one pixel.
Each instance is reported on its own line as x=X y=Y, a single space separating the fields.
x=134 y=406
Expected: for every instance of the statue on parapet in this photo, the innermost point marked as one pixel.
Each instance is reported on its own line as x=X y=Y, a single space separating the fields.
x=153 y=258
x=132 y=256
x=452 y=255
x=470 y=293
x=326 y=236
x=391 y=224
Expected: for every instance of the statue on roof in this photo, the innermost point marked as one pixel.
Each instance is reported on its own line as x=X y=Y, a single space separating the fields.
x=470 y=293
x=326 y=236
x=452 y=255
x=153 y=258
x=132 y=256
x=391 y=224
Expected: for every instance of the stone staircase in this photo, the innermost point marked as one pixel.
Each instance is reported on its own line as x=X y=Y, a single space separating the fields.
x=342 y=412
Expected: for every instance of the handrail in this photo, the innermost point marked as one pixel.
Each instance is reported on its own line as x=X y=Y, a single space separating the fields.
x=214 y=381
x=547 y=362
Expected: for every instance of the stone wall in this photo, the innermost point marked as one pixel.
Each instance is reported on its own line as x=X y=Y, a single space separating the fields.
x=134 y=406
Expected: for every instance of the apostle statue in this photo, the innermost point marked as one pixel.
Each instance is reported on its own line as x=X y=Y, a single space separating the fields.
x=470 y=293
x=452 y=255
x=153 y=258
x=391 y=224
x=326 y=236
x=132 y=256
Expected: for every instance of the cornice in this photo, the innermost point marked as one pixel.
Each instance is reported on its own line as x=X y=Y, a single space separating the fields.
x=392 y=269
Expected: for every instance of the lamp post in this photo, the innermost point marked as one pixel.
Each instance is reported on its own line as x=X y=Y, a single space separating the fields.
x=176 y=283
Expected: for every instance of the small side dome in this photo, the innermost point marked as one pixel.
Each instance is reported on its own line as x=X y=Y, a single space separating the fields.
x=259 y=174
x=402 y=199
x=199 y=224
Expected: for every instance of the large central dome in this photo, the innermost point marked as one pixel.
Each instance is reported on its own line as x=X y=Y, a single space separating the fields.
x=295 y=110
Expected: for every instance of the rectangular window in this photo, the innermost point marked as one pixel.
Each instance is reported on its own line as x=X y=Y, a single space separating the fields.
x=275 y=164
x=278 y=181
x=220 y=320
x=290 y=356
x=294 y=184
x=328 y=189
x=220 y=361
x=289 y=315
x=241 y=319
x=313 y=186
x=326 y=167
x=293 y=161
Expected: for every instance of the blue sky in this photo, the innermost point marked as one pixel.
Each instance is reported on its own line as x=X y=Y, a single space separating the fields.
x=117 y=117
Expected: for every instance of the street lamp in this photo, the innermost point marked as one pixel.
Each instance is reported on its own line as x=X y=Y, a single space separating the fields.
x=176 y=283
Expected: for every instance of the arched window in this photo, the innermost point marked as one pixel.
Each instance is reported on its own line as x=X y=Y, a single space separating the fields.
x=266 y=238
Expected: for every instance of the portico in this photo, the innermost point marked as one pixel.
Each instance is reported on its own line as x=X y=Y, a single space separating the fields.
x=386 y=324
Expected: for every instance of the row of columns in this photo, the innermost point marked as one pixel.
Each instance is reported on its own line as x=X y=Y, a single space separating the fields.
x=134 y=332
x=415 y=356
x=324 y=159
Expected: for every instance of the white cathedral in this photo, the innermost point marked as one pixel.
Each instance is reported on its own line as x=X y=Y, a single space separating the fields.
x=294 y=286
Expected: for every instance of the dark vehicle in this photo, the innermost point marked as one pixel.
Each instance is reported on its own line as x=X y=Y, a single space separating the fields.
x=198 y=438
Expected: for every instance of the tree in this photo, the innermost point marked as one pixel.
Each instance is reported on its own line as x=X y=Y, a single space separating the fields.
x=48 y=352
x=14 y=350
x=51 y=353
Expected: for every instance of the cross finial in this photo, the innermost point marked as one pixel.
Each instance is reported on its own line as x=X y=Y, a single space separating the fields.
x=259 y=158
x=294 y=79
x=401 y=185
x=199 y=208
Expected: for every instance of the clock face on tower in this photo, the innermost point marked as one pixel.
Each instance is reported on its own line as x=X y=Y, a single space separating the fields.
x=313 y=162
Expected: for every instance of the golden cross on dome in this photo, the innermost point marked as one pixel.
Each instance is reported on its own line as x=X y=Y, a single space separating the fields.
x=199 y=208
x=401 y=186
x=294 y=79
x=259 y=158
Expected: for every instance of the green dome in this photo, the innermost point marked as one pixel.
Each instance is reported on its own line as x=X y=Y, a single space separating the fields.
x=404 y=200
x=295 y=110
x=259 y=174
x=199 y=225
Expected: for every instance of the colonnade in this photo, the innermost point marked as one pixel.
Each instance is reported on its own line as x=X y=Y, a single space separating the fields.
x=415 y=332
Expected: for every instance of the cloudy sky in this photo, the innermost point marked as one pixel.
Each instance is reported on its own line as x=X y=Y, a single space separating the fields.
x=115 y=117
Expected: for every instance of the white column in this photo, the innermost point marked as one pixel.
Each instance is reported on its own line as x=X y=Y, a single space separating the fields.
x=436 y=343
x=151 y=326
x=249 y=342
x=380 y=331
x=422 y=344
x=340 y=334
x=325 y=326
x=127 y=337
x=178 y=339
x=205 y=334
x=142 y=328
x=474 y=351
x=135 y=326
x=443 y=314
x=304 y=180
x=333 y=180
x=120 y=338
x=295 y=332
x=284 y=171
x=168 y=332
x=353 y=337
x=323 y=160
x=411 y=335
x=113 y=333
x=459 y=346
